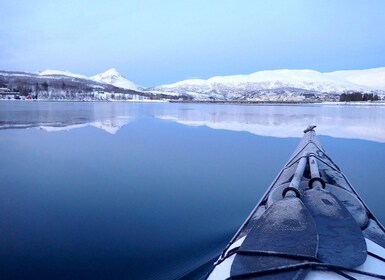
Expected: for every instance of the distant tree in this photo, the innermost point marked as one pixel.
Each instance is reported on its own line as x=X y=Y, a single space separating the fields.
x=45 y=86
x=23 y=90
x=2 y=83
x=357 y=96
x=63 y=86
x=368 y=97
x=376 y=98
x=36 y=90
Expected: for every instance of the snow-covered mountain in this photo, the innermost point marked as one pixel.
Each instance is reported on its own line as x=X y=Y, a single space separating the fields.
x=272 y=85
x=113 y=77
x=61 y=73
x=372 y=78
x=64 y=85
x=110 y=77
x=276 y=84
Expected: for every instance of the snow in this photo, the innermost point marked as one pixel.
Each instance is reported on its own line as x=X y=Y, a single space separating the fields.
x=374 y=78
x=222 y=271
x=270 y=85
x=375 y=248
x=113 y=77
x=110 y=76
x=236 y=244
x=63 y=73
x=322 y=275
x=371 y=264
x=235 y=86
x=161 y=92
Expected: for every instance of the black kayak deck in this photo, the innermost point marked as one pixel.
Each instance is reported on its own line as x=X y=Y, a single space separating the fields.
x=324 y=227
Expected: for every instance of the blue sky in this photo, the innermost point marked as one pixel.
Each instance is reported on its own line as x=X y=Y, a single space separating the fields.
x=157 y=42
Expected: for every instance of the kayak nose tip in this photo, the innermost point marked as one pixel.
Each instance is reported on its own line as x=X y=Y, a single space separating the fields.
x=309 y=128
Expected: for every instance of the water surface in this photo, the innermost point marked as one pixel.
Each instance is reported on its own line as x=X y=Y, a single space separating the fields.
x=155 y=191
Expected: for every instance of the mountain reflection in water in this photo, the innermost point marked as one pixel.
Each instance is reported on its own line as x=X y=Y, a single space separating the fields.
x=341 y=121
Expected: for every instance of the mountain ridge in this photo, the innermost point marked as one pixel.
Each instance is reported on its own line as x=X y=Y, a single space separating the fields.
x=110 y=76
x=291 y=82
x=267 y=85
x=64 y=85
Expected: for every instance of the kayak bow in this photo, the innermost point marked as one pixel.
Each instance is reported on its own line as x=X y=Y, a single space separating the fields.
x=310 y=224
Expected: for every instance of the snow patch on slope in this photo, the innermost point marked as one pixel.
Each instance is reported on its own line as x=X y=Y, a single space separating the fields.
x=62 y=73
x=374 y=78
x=113 y=77
x=110 y=76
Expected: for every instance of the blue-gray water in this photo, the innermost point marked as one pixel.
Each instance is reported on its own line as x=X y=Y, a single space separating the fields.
x=155 y=190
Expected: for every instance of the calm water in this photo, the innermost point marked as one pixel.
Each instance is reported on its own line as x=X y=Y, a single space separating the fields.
x=155 y=191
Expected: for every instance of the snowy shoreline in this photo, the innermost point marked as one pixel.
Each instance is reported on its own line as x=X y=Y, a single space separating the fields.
x=82 y=101
x=256 y=103
x=251 y=103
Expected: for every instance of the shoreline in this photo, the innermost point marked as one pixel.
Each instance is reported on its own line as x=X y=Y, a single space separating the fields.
x=219 y=102
x=235 y=102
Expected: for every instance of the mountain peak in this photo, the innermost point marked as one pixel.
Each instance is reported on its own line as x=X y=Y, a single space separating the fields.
x=111 y=72
x=113 y=77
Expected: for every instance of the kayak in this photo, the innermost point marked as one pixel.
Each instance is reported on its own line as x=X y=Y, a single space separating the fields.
x=310 y=224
